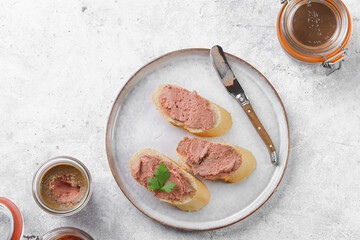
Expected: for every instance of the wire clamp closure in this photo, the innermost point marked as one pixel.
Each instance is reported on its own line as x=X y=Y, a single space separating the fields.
x=334 y=66
x=29 y=237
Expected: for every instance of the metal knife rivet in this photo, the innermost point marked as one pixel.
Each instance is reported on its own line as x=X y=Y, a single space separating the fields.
x=270 y=145
x=259 y=128
x=249 y=110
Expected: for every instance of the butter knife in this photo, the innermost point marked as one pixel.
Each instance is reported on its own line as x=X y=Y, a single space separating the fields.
x=235 y=90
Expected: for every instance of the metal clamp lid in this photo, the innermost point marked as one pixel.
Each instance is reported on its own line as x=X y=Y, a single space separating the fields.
x=31 y=237
x=333 y=66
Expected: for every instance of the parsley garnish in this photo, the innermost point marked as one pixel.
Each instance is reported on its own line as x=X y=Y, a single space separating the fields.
x=161 y=174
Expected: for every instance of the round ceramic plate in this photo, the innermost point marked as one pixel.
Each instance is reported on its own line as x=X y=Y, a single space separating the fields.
x=134 y=123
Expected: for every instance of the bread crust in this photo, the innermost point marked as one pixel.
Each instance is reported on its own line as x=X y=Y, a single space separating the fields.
x=247 y=165
x=223 y=121
x=189 y=203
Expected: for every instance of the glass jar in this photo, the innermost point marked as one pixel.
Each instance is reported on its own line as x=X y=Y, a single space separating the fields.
x=62 y=160
x=58 y=233
x=12 y=226
x=330 y=53
x=65 y=231
x=11 y=220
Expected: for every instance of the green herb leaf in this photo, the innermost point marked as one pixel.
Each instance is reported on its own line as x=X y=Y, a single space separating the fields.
x=161 y=174
x=153 y=183
x=168 y=187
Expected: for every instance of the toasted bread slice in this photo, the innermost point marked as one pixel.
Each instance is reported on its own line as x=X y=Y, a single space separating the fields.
x=222 y=117
x=247 y=165
x=192 y=202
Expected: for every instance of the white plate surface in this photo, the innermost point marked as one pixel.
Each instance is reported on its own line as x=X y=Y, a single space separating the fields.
x=134 y=123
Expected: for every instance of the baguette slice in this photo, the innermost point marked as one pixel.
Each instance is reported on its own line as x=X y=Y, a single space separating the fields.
x=247 y=165
x=189 y=203
x=222 y=123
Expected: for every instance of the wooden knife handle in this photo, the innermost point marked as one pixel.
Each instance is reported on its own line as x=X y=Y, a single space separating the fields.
x=261 y=131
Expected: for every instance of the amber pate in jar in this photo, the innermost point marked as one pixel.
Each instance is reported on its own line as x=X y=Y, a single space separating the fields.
x=68 y=237
x=62 y=187
x=66 y=233
x=314 y=24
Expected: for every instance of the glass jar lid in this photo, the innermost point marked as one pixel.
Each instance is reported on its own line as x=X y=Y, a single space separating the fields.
x=11 y=221
x=314 y=30
x=12 y=226
x=6 y=223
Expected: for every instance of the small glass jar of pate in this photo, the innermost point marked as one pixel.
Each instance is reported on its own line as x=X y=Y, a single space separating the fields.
x=62 y=233
x=315 y=31
x=66 y=233
x=62 y=186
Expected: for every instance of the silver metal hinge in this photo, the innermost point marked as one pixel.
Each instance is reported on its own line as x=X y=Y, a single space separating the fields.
x=334 y=66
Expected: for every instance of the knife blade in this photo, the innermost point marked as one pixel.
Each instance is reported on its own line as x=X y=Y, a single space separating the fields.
x=234 y=88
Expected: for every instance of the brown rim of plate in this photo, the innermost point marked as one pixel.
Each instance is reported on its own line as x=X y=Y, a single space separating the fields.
x=156 y=59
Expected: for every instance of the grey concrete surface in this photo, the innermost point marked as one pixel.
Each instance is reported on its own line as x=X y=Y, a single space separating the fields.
x=63 y=62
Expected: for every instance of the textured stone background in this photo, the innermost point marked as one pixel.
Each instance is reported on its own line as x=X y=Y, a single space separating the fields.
x=63 y=62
